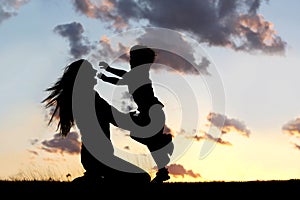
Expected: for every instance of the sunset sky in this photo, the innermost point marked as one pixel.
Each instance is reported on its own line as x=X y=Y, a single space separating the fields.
x=245 y=74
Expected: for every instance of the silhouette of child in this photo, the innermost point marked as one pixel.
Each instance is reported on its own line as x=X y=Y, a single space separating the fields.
x=140 y=87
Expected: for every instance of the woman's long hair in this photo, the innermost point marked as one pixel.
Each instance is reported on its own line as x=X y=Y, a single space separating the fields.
x=60 y=98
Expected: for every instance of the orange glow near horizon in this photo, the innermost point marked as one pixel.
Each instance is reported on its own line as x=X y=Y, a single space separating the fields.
x=261 y=156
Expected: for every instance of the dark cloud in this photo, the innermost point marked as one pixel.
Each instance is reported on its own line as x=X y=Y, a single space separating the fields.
x=9 y=8
x=234 y=24
x=179 y=63
x=292 y=127
x=59 y=144
x=211 y=138
x=179 y=170
x=227 y=125
x=217 y=140
x=73 y=32
x=177 y=53
x=224 y=124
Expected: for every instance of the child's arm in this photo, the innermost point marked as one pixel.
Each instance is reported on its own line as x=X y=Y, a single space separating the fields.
x=117 y=72
x=112 y=80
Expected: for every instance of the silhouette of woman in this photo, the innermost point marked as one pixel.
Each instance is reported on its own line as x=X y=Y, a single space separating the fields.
x=77 y=103
x=140 y=87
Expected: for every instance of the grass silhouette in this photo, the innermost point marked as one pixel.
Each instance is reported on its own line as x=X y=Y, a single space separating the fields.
x=254 y=189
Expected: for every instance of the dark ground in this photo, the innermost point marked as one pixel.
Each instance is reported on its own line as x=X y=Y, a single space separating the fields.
x=240 y=190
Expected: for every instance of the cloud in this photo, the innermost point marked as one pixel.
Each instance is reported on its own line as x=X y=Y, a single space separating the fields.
x=179 y=57
x=59 y=144
x=227 y=125
x=178 y=54
x=217 y=140
x=104 y=11
x=211 y=138
x=297 y=146
x=79 y=44
x=105 y=51
x=33 y=152
x=223 y=123
x=292 y=127
x=33 y=141
x=168 y=130
x=235 y=24
x=127 y=102
x=179 y=170
x=9 y=8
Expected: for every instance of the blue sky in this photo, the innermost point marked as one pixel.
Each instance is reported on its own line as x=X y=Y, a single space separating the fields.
x=260 y=90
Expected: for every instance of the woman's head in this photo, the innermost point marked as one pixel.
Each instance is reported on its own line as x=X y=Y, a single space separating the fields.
x=140 y=54
x=60 y=97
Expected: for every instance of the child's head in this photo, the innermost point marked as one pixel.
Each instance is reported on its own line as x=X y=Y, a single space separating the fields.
x=140 y=55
